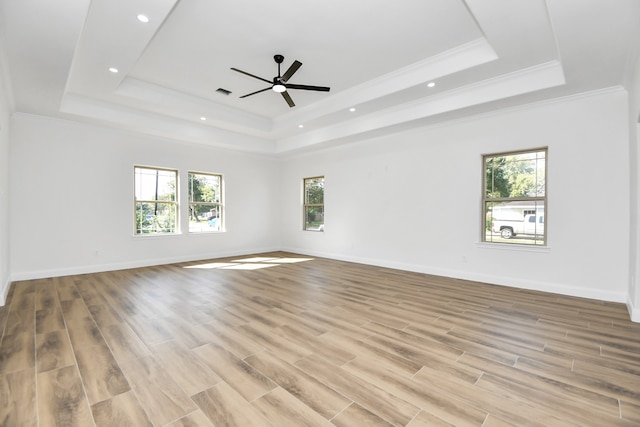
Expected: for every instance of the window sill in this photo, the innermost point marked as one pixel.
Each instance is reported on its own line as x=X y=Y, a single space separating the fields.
x=514 y=247
x=154 y=236
x=205 y=233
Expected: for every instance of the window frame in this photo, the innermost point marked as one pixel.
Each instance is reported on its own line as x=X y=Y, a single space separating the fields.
x=219 y=205
x=544 y=242
x=174 y=203
x=306 y=205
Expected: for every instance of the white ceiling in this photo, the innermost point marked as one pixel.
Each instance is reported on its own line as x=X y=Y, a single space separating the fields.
x=377 y=56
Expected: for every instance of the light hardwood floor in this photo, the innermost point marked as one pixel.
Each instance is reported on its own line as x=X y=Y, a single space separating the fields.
x=285 y=340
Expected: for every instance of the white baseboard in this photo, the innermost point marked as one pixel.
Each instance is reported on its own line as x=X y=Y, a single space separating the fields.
x=634 y=312
x=555 y=288
x=97 y=268
x=5 y=292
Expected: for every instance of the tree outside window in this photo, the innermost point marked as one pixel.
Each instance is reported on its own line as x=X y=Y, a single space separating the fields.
x=205 y=202
x=514 y=197
x=314 y=204
x=156 y=206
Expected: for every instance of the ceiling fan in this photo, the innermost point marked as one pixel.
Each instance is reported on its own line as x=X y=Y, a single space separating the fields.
x=280 y=83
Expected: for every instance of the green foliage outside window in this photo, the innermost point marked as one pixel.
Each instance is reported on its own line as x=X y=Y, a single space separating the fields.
x=205 y=202
x=314 y=204
x=155 y=201
x=514 y=197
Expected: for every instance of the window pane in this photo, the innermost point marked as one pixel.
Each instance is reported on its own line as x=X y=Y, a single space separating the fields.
x=314 y=218
x=204 y=188
x=205 y=202
x=314 y=204
x=155 y=218
x=155 y=184
x=155 y=200
x=517 y=175
x=204 y=218
x=515 y=222
x=314 y=191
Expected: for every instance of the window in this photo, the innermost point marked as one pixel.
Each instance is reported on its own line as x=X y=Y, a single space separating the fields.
x=156 y=206
x=314 y=203
x=514 y=197
x=205 y=202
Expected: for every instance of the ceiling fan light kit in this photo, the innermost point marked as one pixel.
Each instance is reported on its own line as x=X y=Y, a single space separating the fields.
x=280 y=82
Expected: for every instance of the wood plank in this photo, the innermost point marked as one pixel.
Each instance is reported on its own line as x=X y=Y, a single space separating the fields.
x=21 y=317
x=425 y=419
x=101 y=374
x=18 y=397
x=356 y=415
x=285 y=349
x=303 y=386
x=84 y=332
x=61 y=399
x=442 y=404
x=48 y=311
x=246 y=380
x=151 y=330
x=371 y=397
x=229 y=338
x=53 y=351
x=194 y=419
x=224 y=406
x=630 y=412
x=17 y=352
x=163 y=400
x=332 y=352
x=599 y=380
x=124 y=343
x=508 y=408
x=66 y=288
x=283 y=409
x=191 y=374
x=539 y=388
x=73 y=309
x=122 y=410
x=362 y=349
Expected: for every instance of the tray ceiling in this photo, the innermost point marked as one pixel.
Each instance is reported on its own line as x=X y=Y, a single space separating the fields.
x=377 y=57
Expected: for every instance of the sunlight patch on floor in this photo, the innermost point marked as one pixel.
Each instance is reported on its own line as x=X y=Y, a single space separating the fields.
x=210 y=265
x=253 y=263
x=249 y=266
x=255 y=259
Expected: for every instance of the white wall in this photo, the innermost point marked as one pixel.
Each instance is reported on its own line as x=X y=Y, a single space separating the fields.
x=409 y=200
x=72 y=199
x=5 y=126
x=413 y=200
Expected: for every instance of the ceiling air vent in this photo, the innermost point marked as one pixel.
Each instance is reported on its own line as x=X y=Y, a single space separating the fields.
x=223 y=91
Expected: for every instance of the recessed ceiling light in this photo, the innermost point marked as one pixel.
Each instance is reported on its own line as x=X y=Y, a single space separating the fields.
x=431 y=84
x=143 y=18
x=300 y=126
x=113 y=70
x=203 y=118
x=352 y=109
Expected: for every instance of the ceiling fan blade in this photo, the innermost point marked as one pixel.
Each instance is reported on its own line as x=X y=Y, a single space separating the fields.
x=253 y=93
x=287 y=98
x=292 y=69
x=307 y=87
x=251 y=75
